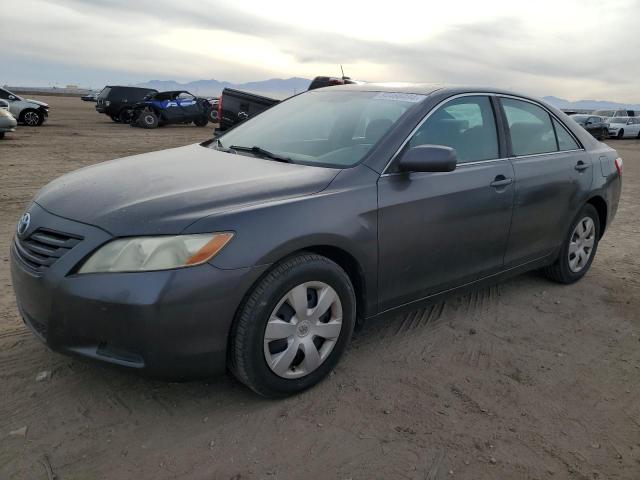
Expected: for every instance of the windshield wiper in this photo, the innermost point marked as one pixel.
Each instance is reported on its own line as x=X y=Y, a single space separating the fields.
x=262 y=152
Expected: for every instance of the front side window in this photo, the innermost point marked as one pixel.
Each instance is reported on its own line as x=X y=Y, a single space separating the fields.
x=565 y=140
x=530 y=128
x=466 y=124
x=327 y=128
x=4 y=94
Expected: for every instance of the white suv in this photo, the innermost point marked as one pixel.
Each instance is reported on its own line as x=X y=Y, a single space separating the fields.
x=28 y=112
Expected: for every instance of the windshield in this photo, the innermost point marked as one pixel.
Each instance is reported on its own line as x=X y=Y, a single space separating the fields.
x=580 y=118
x=605 y=113
x=326 y=128
x=618 y=120
x=103 y=94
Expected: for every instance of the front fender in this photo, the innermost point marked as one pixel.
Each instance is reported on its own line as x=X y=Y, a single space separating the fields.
x=343 y=216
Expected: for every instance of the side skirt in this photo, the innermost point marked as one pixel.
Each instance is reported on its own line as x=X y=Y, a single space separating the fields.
x=467 y=287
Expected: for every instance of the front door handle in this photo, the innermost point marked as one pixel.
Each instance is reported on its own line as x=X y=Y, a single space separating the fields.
x=580 y=166
x=501 y=181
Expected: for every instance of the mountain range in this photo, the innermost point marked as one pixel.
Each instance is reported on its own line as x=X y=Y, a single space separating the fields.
x=284 y=87
x=588 y=104
x=275 y=87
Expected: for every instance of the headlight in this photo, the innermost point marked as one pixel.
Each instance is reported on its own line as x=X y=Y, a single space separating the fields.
x=138 y=254
x=107 y=103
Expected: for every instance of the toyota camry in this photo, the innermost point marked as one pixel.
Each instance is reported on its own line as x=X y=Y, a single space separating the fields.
x=260 y=250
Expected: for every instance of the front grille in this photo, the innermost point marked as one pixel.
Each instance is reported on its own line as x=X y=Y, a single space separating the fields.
x=44 y=247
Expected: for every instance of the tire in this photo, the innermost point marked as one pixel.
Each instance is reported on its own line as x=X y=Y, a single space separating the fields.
x=31 y=118
x=201 y=122
x=124 y=116
x=1 y=135
x=620 y=134
x=292 y=371
x=148 y=119
x=562 y=270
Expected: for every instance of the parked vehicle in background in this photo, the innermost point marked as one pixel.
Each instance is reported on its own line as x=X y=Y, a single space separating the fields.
x=213 y=114
x=236 y=106
x=320 y=82
x=115 y=101
x=31 y=113
x=173 y=107
x=7 y=122
x=595 y=125
x=91 y=96
x=624 y=127
x=607 y=114
x=258 y=250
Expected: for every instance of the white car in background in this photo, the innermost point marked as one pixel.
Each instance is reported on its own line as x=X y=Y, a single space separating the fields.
x=624 y=127
x=607 y=114
x=28 y=112
x=7 y=122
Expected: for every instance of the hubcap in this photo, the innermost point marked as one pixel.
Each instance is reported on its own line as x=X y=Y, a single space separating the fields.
x=148 y=119
x=302 y=330
x=31 y=118
x=581 y=244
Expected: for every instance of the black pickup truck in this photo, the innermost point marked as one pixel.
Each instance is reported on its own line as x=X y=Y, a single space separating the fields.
x=235 y=106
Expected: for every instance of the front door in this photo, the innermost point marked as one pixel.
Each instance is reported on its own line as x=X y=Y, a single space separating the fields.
x=440 y=230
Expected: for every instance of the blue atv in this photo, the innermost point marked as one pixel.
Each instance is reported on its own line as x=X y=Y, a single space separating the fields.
x=166 y=108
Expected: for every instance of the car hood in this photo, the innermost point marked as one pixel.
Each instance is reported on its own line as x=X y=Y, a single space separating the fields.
x=42 y=104
x=164 y=192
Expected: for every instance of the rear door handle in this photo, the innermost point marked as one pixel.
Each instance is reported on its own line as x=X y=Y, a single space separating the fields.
x=580 y=166
x=501 y=181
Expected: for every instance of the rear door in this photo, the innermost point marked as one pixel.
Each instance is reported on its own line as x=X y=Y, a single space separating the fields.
x=553 y=176
x=440 y=230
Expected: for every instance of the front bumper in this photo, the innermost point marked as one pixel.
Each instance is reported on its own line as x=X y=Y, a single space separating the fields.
x=171 y=324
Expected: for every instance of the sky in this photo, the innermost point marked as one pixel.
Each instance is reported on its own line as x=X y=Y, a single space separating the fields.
x=574 y=49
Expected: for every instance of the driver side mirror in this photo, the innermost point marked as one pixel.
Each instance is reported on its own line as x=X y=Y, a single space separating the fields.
x=11 y=97
x=429 y=158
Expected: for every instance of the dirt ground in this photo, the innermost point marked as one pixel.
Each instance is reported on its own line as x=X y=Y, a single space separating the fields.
x=525 y=379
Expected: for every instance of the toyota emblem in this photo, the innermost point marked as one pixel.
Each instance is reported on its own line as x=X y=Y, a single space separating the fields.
x=23 y=224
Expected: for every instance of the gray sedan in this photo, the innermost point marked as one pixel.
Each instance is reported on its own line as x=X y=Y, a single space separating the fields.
x=259 y=251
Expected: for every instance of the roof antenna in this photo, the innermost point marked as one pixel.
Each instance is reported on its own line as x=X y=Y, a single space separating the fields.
x=342 y=70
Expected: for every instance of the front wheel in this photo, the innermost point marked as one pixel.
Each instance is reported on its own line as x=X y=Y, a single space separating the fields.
x=32 y=118
x=201 y=122
x=620 y=134
x=293 y=327
x=579 y=248
x=148 y=119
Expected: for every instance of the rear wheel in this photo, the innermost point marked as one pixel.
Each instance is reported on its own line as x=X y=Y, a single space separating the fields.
x=293 y=327
x=148 y=119
x=201 y=122
x=578 y=249
x=32 y=118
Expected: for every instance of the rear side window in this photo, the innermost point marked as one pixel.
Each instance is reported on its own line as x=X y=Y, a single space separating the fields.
x=466 y=124
x=530 y=128
x=565 y=140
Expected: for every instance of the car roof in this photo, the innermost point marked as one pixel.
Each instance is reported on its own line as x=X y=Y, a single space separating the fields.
x=427 y=89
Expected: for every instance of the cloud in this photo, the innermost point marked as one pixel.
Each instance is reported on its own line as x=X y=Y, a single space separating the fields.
x=572 y=49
